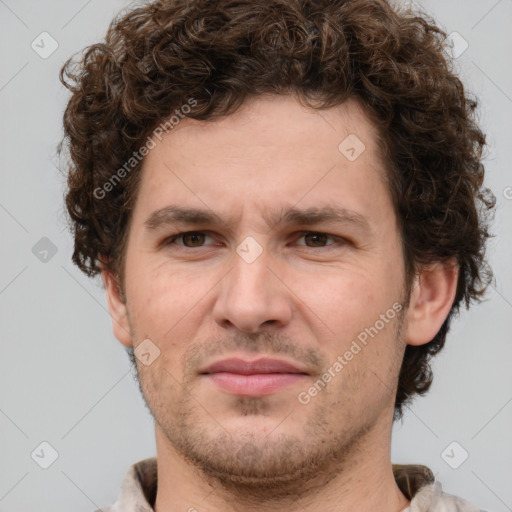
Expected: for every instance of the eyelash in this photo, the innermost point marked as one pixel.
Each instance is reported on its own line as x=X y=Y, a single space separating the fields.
x=172 y=239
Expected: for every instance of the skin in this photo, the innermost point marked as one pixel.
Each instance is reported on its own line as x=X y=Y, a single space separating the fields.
x=304 y=300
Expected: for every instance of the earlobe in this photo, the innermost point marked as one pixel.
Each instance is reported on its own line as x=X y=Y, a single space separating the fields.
x=432 y=297
x=117 y=307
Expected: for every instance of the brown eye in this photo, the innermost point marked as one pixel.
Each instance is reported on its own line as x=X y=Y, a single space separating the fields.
x=193 y=239
x=319 y=240
x=316 y=239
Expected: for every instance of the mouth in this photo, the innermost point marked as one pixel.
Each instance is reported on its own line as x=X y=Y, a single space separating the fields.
x=257 y=378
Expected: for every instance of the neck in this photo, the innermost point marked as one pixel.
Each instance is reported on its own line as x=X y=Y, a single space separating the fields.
x=364 y=482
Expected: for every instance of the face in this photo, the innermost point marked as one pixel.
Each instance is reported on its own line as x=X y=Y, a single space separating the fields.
x=279 y=317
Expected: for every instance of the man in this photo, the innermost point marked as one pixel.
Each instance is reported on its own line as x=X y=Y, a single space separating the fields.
x=284 y=200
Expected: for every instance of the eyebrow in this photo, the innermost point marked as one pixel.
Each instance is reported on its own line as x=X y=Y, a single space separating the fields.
x=174 y=214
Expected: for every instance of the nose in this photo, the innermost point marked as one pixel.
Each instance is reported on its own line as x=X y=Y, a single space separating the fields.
x=253 y=296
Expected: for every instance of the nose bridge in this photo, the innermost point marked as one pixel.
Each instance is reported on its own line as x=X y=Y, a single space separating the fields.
x=250 y=294
x=250 y=276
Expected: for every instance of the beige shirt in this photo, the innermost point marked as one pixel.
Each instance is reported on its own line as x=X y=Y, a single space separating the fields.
x=417 y=483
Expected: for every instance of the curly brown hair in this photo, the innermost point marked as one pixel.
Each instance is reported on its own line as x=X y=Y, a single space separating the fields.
x=222 y=52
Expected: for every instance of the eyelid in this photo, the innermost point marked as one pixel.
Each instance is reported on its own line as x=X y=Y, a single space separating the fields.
x=171 y=240
x=336 y=239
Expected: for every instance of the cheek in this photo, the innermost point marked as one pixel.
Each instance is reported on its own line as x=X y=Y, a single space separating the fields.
x=341 y=298
x=166 y=307
x=346 y=307
x=158 y=295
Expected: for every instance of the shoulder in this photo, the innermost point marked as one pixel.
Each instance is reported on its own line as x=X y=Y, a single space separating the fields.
x=431 y=498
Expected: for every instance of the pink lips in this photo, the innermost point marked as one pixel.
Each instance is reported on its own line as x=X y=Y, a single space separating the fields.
x=253 y=378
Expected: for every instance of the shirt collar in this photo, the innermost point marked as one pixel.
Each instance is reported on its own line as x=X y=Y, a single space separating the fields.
x=138 y=490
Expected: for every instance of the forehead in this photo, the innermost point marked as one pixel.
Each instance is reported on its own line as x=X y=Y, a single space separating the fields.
x=270 y=154
x=275 y=122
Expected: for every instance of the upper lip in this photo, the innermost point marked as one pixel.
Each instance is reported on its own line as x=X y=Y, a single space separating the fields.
x=258 y=366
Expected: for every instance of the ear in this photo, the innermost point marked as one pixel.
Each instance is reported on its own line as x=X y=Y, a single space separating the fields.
x=431 y=299
x=117 y=307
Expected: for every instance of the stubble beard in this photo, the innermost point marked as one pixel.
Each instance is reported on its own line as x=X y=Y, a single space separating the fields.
x=276 y=468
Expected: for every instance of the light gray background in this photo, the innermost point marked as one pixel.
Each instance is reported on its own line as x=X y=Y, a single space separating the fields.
x=65 y=379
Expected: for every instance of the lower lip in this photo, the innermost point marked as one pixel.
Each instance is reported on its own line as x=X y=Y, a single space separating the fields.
x=260 y=384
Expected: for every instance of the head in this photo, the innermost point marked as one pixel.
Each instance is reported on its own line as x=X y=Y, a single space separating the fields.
x=271 y=117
